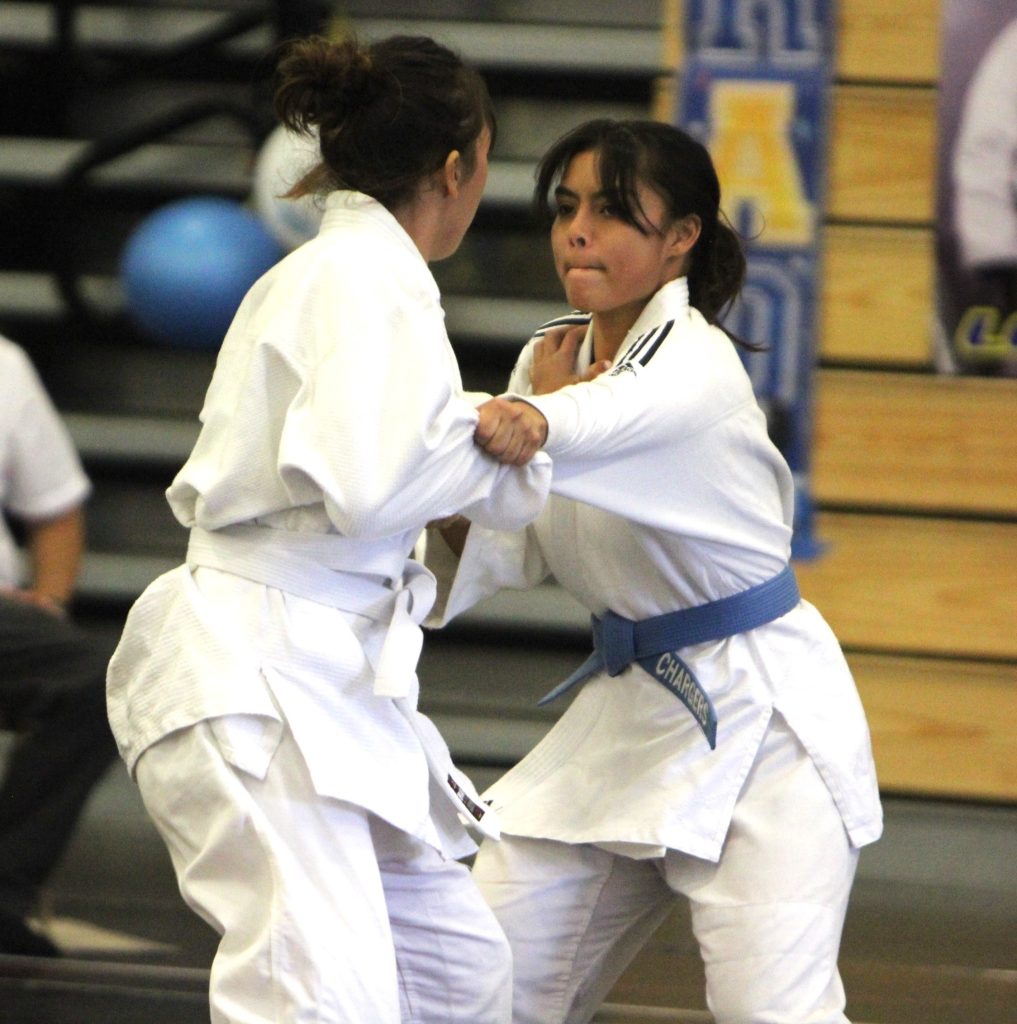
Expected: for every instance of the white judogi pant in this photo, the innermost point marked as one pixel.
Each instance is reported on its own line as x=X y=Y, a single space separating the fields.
x=327 y=914
x=767 y=917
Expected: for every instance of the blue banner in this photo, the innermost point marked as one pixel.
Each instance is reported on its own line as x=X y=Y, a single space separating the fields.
x=755 y=90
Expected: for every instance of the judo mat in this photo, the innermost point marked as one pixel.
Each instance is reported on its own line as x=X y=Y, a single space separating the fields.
x=34 y=991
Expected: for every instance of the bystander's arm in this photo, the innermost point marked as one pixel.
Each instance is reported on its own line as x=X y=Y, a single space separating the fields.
x=55 y=547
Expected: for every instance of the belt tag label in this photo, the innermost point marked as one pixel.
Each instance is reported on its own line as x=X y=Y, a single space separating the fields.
x=671 y=672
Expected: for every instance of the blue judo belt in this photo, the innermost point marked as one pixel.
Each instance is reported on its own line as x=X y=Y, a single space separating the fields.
x=654 y=643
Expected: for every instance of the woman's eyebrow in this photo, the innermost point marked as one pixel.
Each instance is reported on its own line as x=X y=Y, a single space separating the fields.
x=561 y=192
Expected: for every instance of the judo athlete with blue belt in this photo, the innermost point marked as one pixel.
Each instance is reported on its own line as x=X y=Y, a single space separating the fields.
x=716 y=748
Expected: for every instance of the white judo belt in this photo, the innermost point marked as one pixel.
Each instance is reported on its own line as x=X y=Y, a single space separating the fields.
x=321 y=568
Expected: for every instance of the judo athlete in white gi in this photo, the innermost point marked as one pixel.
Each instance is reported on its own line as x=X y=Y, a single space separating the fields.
x=264 y=694
x=716 y=747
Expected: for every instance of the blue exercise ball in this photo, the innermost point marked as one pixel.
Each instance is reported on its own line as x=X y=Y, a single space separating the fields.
x=187 y=266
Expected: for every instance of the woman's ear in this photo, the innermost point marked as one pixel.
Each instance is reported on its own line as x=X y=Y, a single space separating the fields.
x=685 y=233
x=451 y=174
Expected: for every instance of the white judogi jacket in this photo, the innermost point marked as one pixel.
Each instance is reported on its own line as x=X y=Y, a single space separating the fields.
x=334 y=427
x=667 y=493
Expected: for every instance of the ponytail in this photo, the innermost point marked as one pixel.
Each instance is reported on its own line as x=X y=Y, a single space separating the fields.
x=717 y=270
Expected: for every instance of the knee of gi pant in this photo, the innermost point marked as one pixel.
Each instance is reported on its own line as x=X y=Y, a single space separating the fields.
x=772 y=964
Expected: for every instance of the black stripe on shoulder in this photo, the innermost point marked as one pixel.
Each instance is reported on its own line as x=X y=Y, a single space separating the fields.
x=570 y=320
x=637 y=346
x=662 y=332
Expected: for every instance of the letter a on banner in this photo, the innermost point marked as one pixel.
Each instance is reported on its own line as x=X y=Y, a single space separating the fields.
x=754 y=91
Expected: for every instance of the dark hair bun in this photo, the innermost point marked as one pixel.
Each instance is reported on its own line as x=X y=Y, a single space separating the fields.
x=325 y=82
x=385 y=115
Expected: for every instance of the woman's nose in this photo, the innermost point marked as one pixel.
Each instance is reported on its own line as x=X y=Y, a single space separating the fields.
x=578 y=235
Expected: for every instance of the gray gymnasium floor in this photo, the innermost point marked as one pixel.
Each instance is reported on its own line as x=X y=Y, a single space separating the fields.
x=931 y=935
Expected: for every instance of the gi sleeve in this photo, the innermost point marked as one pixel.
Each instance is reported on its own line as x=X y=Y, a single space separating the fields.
x=492 y=560
x=628 y=431
x=382 y=428
x=634 y=408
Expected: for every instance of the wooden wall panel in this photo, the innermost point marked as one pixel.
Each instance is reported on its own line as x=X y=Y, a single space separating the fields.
x=922 y=442
x=900 y=584
x=939 y=727
x=888 y=40
x=862 y=320
x=882 y=154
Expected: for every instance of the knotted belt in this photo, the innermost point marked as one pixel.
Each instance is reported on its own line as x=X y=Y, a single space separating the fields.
x=333 y=571
x=318 y=567
x=654 y=643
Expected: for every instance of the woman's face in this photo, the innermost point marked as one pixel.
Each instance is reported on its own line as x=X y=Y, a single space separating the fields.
x=605 y=264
